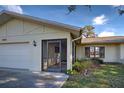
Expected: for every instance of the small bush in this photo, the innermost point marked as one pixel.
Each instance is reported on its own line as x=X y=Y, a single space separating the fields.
x=77 y=60
x=77 y=66
x=97 y=61
x=69 y=71
x=82 y=65
x=72 y=72
x=87 y=64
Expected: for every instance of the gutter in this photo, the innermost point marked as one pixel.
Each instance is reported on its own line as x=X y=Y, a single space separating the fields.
x=76 y=39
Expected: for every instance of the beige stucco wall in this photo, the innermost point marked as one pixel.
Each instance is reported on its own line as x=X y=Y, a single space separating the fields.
x=80 y=52
x=20 y=30
x=122 y=53
x=112 y=52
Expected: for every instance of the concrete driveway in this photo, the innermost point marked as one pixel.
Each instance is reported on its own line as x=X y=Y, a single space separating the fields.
x=13 y=78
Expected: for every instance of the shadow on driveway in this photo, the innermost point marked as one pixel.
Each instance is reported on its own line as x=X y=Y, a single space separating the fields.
x=10 y=78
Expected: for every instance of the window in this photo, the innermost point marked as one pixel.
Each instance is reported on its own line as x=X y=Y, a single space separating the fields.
x=97 y=51
x=94 y=52
x=87 y=51
x=102 y=52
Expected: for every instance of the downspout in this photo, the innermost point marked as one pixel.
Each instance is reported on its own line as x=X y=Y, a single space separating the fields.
x=73 y=41
x=76 y=39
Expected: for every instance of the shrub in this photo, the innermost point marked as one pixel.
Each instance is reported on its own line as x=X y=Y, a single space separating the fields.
x=77 y=66
x=97 y=61
x=85 y=59
x=77 y=60
x=69 y=71
x=87 y=64
x=72 y=72
x=81 y=65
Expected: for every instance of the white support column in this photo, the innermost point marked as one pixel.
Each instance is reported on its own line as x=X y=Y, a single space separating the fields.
x=36 y=56
x=69 y=53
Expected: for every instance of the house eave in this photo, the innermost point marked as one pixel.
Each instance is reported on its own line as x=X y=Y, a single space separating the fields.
x=105 y=43
x=7 y=15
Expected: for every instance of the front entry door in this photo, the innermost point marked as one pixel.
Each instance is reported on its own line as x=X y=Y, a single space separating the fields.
x=52 y=60
x=54 y=55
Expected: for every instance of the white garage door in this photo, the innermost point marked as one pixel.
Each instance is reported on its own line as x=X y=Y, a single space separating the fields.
x=15 y=56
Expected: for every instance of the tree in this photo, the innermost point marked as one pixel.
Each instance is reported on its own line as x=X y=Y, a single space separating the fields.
x=87 y=31
x=71 y=8
x=120 y=8
x=120 y=11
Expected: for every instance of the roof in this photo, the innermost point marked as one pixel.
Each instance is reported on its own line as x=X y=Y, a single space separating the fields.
x=7 y=15
x=103 y=40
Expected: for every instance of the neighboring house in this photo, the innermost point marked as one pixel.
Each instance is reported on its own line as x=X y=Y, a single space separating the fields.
x=109 y=49
x=41 y=45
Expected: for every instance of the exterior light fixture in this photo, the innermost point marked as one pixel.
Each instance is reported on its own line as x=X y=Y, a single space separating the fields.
x=34 y=43
x=4 y=39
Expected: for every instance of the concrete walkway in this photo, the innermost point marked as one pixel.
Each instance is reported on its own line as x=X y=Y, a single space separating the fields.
x=13 y=78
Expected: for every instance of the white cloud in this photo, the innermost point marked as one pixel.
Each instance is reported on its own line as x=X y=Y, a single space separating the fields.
x=107 y=32
x=14 y=8
x=100 y=20
x=115 y=5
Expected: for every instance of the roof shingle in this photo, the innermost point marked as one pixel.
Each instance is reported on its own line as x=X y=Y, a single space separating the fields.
x=100 y=40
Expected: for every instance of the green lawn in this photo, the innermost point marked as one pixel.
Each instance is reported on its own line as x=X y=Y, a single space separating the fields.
x=106 y=76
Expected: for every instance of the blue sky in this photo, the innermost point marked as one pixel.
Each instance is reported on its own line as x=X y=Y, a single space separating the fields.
x=105 y=19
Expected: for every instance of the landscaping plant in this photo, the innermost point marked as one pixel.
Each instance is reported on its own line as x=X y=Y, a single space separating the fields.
x=84 y=66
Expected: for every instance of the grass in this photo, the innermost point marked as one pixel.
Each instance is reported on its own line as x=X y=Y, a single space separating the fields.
x=107 y=76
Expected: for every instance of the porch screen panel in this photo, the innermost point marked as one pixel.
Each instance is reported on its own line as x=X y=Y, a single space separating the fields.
x=63 y=55
x=44 y=55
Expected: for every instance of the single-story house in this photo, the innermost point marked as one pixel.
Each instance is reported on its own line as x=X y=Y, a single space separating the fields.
x=36 y=44
x=109 y=49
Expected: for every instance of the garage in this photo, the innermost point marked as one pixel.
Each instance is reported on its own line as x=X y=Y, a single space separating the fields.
x=21 y=39
x=15 y=55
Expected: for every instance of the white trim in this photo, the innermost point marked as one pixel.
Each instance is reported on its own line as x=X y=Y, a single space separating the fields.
x=76 y=39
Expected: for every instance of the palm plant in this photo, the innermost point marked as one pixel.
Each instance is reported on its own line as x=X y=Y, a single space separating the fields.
x=87 y=31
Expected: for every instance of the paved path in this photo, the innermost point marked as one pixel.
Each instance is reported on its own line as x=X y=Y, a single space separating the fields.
x=10 y=78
